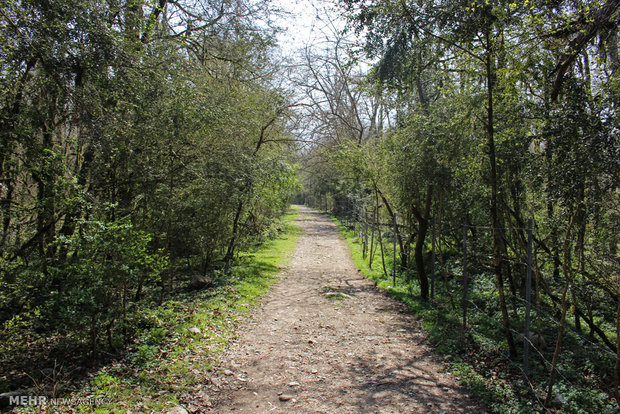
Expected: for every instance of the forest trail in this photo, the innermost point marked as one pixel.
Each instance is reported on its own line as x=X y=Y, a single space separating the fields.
x=326 y=340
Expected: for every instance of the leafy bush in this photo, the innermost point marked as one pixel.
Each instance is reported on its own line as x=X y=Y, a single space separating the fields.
x=110 y=264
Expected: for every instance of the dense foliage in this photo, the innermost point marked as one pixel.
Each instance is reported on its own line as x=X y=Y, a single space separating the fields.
x=484 y=115
x=144 y=144
x=141 y=144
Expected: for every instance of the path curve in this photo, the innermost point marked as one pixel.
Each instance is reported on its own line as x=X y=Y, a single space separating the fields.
x=326 y=340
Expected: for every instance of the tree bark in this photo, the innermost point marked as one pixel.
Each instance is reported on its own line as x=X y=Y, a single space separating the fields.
x=496 y=223
x=617 y=364
x=403 y=251
x=558 y=343
x=418 y=252
x=230 y=252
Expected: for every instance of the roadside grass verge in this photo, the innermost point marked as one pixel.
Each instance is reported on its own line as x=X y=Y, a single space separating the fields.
x=179 y=341
x=478 y=355
x=443 y=329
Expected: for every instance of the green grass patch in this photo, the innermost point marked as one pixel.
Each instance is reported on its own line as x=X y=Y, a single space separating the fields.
x=442 y=325
x=181 y=344
x=478 y=355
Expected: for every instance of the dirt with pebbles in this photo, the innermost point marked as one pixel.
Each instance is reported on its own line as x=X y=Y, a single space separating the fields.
x=326 y=340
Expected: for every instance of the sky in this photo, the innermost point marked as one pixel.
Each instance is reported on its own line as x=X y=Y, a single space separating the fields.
x=304 y=23
x=298 y=24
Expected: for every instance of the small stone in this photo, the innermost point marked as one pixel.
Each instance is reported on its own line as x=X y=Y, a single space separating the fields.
x=314 y=371
x=194 y=330
x=293 y=384
x=200 y=282
x=285 y=397
x=228 y=372
x=177 y=409
x=336 y=295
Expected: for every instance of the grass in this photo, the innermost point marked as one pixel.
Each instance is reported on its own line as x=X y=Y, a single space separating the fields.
x=442 y=326
x=181 y=339
x=478 y=355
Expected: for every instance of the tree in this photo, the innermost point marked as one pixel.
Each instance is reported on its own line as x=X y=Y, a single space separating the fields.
x=130 y=134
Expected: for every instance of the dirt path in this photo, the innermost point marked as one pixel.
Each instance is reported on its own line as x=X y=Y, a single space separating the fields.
x=327 y=341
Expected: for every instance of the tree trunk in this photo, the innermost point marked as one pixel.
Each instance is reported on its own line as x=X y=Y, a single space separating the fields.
x=558 y=343
x=379 y=236
x=46 y=214
x=419 y=259
x=444 y=273
x=70 y=220
x=581 y=221
x=496 y=223
x=418 y=252
x=233 y=239
x=617 y=364
x=403 y=251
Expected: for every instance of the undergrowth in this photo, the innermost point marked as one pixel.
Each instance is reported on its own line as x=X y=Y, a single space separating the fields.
x=179 y=341
x=478 y=355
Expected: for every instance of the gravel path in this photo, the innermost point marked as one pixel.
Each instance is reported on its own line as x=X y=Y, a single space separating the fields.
x=326 y=340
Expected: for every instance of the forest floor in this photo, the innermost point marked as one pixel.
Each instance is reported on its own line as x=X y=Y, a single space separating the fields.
x=326 y=340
